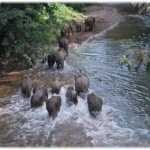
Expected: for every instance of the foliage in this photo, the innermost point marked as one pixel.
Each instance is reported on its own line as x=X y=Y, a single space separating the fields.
x=124 y=59
x=65 y=14
x=77 y=6
x=26 y=30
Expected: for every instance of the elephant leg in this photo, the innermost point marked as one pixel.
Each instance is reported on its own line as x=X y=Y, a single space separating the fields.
x=62 y=64
x=57 y=66
x=28 y=92
x=71 y=30
x=66 y=48
x=91 y=28
x=68 y=34
x=80 y=28
x=32 y=103
x=76 y=28
x=85 y=28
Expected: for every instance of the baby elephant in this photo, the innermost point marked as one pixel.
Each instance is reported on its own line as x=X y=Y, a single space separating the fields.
x=94 y=104
x=53 y=106
x=51 y=60
x=63 y=43
x=40 y=95
x=89 y=23
x=77 y=25
x=71 y=96
x=66 y=30
x=56 y=87
x=61 y=58
x=26 y=86
x=81 y=83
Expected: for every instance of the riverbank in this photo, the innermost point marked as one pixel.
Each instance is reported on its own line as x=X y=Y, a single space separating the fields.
x=106 y=16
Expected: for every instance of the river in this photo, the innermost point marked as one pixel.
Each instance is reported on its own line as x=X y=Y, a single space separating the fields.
x=125 y=116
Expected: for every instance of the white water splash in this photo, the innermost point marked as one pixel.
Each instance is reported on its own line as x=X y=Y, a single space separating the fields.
x=103 y=128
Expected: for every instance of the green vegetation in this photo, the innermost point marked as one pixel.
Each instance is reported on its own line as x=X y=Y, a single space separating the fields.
x=27 y=30
x=124 y=59
x=77 y=6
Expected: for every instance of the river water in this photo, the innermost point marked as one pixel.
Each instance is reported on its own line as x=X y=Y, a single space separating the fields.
x=125 y=116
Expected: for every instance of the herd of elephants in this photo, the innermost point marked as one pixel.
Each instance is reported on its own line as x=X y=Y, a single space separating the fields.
x=81 y=87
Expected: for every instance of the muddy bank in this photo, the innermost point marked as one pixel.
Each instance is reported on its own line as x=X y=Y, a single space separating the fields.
x=106 y=16
x=10 y=83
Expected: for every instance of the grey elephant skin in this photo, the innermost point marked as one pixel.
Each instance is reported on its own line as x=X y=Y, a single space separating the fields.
x=56 y=86
x=71 y=96
x=89 y=23
x=94 y=104
x=81 y=83
x=40 y=95
x=66 y=30
x=63 y=43
x=53 y=106
x=60 y=59
x=26 y=86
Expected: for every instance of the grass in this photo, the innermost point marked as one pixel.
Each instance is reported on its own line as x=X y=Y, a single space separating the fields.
x=66 y=14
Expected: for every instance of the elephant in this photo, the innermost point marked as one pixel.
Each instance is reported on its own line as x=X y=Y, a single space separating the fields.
x=66 y=29
x=77 y=25
x=61 y=58
x=26 y=86
x=44 y=58
x=81 y=83
x=51 y=60
x=40 y=87
x=56 y=87
x=94 y=104
x=90 y=23
x=36 y=84
x=53 y=106
x=40 y=95
x=63 y=43
x=71 y=96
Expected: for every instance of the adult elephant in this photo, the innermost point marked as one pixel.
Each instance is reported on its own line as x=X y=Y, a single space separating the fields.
x=26 y=86
x=66 y=30
x=61 y=58
x=40 y=95
x=56 y=86
x=81 y=83
x=94 y=104
x=77 y=25
x=71 y=96
x=53 y=106
x=89 y=23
